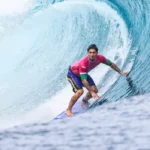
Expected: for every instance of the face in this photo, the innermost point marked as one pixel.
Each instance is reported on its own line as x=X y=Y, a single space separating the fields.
x=92 y=54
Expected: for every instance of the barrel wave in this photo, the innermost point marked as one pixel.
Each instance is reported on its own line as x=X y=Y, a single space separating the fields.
x=40 y=39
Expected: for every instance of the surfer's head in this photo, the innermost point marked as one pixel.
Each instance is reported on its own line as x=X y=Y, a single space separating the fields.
x=92 y=46
x=92 y=51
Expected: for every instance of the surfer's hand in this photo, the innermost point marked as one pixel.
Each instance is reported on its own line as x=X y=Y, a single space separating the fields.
x=124 y=73
x=94 y=95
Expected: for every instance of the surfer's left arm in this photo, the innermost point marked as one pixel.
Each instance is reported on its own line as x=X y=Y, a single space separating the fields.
x=116 y=68
x=112 y=65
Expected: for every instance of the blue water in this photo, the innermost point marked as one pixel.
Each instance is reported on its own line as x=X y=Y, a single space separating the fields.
x=39 y=39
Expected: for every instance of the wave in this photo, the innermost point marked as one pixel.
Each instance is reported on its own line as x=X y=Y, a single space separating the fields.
x=51 y=35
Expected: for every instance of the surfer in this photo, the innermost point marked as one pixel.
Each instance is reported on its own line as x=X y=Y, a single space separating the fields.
x=78 y=76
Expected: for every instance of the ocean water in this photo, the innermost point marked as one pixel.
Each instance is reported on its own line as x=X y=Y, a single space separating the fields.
x=39 y=39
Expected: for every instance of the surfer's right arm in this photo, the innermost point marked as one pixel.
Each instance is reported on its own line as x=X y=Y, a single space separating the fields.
x=87 y=86
x=83 y=76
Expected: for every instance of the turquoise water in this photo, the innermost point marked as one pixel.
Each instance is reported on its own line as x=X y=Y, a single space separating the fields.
x=39 y=40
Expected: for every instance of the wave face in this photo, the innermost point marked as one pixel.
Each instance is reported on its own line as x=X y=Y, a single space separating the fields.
x=135 y=15
x=40 y=39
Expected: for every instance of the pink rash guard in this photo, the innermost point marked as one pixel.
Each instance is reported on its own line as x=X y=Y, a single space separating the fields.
x=85 y=65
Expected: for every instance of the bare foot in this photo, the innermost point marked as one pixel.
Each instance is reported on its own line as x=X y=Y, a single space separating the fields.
x=69 y=113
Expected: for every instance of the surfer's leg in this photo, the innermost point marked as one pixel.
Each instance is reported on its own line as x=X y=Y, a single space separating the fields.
x=77 y=85
x=73 y=100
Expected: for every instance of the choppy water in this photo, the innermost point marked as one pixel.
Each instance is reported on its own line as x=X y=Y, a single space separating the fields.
x=117 y=125
x=39 y=40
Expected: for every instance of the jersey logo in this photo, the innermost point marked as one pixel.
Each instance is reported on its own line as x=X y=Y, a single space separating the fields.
x=83 y=67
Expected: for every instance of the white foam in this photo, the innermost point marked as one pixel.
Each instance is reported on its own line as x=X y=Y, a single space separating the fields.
x=44 y=112
x=13 y=7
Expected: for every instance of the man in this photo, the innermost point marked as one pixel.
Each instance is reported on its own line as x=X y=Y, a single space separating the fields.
x=79 y=78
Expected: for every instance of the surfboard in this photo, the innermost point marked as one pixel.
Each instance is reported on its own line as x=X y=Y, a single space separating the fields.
x=79 y=108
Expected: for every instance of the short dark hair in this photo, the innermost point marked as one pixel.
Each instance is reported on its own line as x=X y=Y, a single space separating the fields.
x=92 y=46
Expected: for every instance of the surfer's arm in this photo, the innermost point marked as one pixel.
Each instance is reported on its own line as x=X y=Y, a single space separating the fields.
x=116 y=68
x=83 y=75
x=111 y=64
x=87 y=86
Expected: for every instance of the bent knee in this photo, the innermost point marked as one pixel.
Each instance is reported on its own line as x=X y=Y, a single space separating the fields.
x=80 y=92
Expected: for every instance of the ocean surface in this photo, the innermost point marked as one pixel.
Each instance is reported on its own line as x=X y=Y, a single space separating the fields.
x=39 y=39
